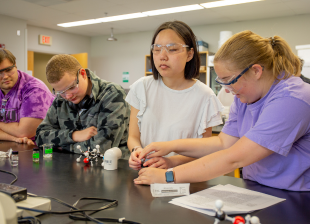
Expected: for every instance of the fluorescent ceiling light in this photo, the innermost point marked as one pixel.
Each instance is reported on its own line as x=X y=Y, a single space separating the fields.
x=225 y=3
x=103 y=20
x=121 y=17
x=173 y=10
x=156 y=12
x=79 y=23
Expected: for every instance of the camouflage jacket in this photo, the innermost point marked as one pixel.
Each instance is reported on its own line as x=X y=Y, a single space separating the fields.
x=109 y=113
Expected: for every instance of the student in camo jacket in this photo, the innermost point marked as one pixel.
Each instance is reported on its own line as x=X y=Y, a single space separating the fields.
x=87 y=111
x=24 y=101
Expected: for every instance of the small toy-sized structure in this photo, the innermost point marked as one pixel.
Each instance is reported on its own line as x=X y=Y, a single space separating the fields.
x=90 y=156
x=221 y=216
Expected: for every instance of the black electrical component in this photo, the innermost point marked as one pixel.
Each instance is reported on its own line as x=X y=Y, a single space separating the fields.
x=17 y=193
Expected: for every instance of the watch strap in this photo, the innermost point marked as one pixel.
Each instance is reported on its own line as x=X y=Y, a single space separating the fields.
x=135 y=148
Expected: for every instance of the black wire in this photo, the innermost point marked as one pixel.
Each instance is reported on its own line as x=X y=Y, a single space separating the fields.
x=82 y=217
x=29 y=219
x=105 y=220
x=11 y=174
x=87 y=216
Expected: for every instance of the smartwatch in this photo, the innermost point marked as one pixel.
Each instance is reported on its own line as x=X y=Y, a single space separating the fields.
x=170 y=176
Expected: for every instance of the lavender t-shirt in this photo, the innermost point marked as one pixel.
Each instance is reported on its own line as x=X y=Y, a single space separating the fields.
x=29 y=97
x=280 y=122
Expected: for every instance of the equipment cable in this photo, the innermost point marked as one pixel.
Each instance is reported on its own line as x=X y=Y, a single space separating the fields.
x=73 y=209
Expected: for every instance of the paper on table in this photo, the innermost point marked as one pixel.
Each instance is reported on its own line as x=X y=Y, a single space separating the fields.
x=236 y=200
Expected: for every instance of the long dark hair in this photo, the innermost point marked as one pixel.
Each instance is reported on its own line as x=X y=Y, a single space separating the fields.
x=186 y=33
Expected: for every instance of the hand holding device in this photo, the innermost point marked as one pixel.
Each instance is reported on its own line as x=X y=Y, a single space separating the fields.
x=159 y=149
x=158 y=162
x=134 y=161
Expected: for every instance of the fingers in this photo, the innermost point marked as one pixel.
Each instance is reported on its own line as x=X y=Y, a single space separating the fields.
x=152 y=161
x=140 y=181
x=25 y=140
x=93 y=131
x=143 y=178
x=160 y=163
x=134 y=156
x=145 y=182
x=30 y=142
x=18 y=140
x=133 y=164
x=142 y=171
x=22 y=140
x=147 y=150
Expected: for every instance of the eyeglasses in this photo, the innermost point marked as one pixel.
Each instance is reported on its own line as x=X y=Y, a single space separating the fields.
x=170 y=48
x=7 y=71
x=73 y=88
x=233 y=79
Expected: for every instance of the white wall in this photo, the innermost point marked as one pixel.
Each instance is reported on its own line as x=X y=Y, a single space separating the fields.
x=62 y=42
x=111 y=59
x=15 y=44
x=294 y=29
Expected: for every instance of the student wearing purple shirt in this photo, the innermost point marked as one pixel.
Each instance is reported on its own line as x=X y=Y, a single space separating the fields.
x=268 y=131
x=24 y=101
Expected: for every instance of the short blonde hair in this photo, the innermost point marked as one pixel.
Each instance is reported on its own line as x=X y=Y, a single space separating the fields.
x=246 y=48
x=58 y=65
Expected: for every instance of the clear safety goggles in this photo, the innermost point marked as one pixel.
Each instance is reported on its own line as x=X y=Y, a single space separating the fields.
x=71 y=89
x=7 y=71
x=172 y=48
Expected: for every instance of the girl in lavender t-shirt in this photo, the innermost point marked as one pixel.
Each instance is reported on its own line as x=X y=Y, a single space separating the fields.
x=268 y=131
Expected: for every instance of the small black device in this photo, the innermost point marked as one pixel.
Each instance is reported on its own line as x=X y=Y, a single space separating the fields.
x=17 y=193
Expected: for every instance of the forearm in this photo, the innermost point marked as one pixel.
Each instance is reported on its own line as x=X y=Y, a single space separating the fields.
x=196 y=148
x=206 y=168
x=179 y=160
x=243 y=153
x=16 y=130
x=132 y=142
x=7 y=137
x=50 y=134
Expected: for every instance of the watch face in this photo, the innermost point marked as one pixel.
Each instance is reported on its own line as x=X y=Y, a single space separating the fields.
x=169 y=176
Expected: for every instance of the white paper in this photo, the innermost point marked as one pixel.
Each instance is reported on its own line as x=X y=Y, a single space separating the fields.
x=167 y=190
x=236 y=200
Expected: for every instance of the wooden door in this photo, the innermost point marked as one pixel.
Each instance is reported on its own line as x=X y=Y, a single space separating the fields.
x=30 y=59
x=82 y=59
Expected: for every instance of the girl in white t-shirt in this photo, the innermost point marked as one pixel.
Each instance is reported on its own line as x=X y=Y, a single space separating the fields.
x=171 y=104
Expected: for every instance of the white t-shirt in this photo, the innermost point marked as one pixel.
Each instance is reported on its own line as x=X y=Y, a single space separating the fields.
x=166 y=114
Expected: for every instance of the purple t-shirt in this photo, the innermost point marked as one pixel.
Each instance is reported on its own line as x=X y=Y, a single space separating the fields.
x=29 y=97
x=280 y=122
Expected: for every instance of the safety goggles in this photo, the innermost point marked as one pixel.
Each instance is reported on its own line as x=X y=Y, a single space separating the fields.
x=7 y=71
x=71 y=89
x=173 y=48
x=233 y=79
